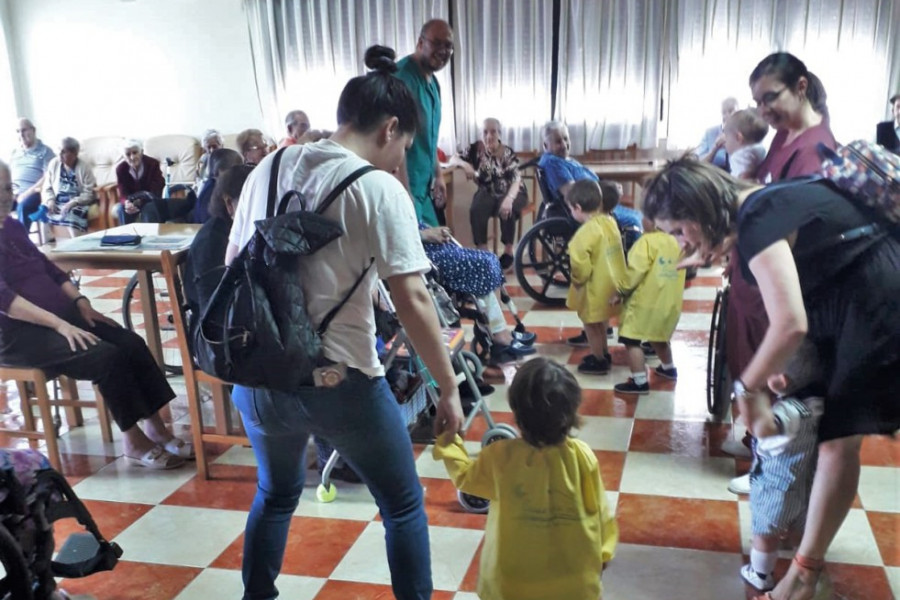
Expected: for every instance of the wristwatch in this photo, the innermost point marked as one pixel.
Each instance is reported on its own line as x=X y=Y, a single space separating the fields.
x=740 y=390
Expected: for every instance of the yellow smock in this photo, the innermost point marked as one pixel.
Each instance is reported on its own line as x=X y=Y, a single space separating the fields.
x=654 y=289
x=597 y=262
x=549 y=528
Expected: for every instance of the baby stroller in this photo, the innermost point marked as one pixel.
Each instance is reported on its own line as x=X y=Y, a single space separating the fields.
x=542 y=256
x=420 y=392
x=32 y=497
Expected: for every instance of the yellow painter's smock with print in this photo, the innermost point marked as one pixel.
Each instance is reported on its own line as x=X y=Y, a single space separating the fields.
x=654 y=289
x=597 y=262
x=549 y=527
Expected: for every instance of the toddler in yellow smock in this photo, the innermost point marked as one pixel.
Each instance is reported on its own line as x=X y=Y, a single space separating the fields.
x=597 y=261
x=549 y=529
x=652 y=289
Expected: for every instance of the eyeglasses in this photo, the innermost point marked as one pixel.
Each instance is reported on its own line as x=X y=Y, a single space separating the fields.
x=770 y=97
x=440 y=45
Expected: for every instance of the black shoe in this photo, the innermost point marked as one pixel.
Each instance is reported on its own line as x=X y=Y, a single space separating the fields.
x=506 y=261
x=591 y=365
x=610 y=332
x=630 y=387
x=579 y=341
x=647 y=348
x=526 y=338
x=666 y=373
x=608 y=358
x=690 y=273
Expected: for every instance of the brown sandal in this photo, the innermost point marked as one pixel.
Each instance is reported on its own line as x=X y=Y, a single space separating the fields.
x=813 y=566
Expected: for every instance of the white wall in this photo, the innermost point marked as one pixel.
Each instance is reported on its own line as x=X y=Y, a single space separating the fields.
x=134 y=68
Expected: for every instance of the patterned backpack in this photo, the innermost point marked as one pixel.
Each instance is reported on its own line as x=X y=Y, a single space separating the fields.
x=867 y=172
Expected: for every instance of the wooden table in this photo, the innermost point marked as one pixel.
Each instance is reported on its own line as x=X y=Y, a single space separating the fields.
x=628 y=171
x=85 y=252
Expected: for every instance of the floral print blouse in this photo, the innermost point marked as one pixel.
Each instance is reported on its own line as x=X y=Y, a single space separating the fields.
x=494 y=174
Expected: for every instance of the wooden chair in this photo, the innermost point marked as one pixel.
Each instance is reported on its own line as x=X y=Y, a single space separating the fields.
x=225 y=431
x=69 y=400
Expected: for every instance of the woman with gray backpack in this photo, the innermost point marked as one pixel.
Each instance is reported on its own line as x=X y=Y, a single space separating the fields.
x=351 y=406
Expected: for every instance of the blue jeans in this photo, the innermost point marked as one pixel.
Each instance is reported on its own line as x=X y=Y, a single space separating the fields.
x=361 y=419
x=27 y=206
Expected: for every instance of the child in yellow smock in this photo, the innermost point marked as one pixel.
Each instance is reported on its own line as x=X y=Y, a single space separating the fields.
x=652 y=289
x=597 y=261
x=549 y=529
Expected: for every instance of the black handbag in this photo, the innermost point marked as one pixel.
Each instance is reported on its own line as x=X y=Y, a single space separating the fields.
x=255 y=330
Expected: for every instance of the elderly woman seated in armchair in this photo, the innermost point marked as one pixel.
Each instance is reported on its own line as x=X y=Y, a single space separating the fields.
x=495 y=169
x=68 y=190
x=46 y=323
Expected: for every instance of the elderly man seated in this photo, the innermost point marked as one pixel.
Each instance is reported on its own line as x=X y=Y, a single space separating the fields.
x=68 y=190
x=141 y=186
x=28 y=163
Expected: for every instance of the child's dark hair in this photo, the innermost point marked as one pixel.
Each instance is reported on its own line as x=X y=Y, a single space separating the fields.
x=586 y=194
x=544 y=398
x=368 y=99
x=611 y=195
x=229 y=184
x=788 y=69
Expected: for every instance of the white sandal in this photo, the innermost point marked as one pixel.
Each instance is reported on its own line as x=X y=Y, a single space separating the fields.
x=180 y=448
x=157 y=459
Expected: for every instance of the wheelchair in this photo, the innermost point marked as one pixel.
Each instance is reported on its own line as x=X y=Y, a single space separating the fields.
x=30 y=501
x=542 y=256
x=718 y=380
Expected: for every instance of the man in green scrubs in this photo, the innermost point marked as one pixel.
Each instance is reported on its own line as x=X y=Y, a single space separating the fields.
x=421 y=174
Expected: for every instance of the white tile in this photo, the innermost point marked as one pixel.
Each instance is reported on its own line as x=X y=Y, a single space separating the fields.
x=89 y=440
x=426 y=466
x=605 y=433
x=498 y=402
x=452 y=550
x=617 y=374
x=613 y=499
x=551 y=318
x=667 y=406
x=893 y=576
x=225 y=583
x=694 y=321
x=879 y=489
x=465 y=596
x=353 y=502
x=679 y=476
x=700 y=292
x=180 y=535
x=650 y=572
x=119 y=482
x=855 y=542
x=237 y=456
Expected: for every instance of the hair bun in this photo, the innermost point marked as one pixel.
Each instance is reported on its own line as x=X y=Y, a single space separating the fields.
x=381 y=59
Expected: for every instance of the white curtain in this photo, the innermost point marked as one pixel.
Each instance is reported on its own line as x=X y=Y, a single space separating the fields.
x=305 y=51
x=716 y=44
x=503 y=67
x=610 y=57
x=7 y=92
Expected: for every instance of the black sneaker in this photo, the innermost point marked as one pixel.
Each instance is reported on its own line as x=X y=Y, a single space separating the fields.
x=579 y=341
x=610 y=332
x=630 y=387
x=591 y=365
x=666 y=373
x=608 y=358
x=506 y=261
x=647 y=349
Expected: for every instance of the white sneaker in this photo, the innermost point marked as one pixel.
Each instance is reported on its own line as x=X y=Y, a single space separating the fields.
x=736 y=448
x=751 y=577
x=740 y=485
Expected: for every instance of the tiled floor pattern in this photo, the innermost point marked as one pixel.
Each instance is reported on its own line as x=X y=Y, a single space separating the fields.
x=683 y=535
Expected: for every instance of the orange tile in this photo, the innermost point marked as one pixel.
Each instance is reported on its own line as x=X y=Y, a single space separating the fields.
x=110 y=282
x=443 y=507
x=886 y=527
x=604 y=403
x=554 y=335
x=714 y=282
x=112 y=518
x=679 y=522
x=130 y=580
x=349 y=590
x=681 y=438
x=698 y=306
x=880 y=451
x=232 y=487
x=315 y=546
x=470 y=581
x=611 y=466
x=857 y=582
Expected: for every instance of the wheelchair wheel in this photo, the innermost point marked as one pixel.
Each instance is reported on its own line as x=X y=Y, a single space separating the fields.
x=132 y=316
x=718 y=381
x=473 y=504
x=542 y=260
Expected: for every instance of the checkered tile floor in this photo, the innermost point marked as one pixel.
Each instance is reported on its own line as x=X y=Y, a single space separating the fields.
x=683 y=535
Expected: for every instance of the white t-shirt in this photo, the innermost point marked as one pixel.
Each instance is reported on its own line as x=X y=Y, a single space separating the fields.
x=745 y=160
x=379 y=222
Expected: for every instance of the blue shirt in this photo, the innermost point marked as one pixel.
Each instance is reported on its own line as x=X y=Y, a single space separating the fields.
x=560 y=171
x=422 y=155
x=27 y=165
x=709 y=142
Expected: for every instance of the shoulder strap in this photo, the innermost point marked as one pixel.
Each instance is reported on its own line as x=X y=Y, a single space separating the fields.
x=273 y=184
x=787 y=165
x=343 y=185
x=333 y=312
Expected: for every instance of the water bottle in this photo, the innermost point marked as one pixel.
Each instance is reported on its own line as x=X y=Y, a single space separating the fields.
x=169 y=163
